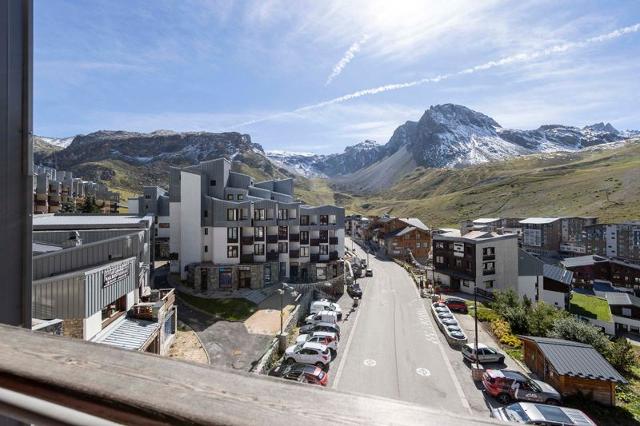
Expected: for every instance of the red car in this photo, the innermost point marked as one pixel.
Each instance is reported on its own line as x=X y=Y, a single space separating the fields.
x=456 y=305
x=305 y=373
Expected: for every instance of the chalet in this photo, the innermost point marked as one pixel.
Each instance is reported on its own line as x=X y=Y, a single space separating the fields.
x=625 y=310
x=572 y=368
x=588 y=269
x=404 y=237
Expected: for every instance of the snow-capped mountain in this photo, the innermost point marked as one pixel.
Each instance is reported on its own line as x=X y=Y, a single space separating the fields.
x=455 y=136
x=59 y=142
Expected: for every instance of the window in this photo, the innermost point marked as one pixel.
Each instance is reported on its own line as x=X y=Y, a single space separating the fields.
x=206 y=213
x=489 y=266
x=332 y=219
x=206 y=249
x=258 y=232
x=259 y=214
x=626 y=312
x=232 y=235
x=324 y=219
x=240 y=197
x=147 y=196
x=212 y=182
x=232 y=214
x=258 y=249
x=324 y=236
x=488 y=251
x=230 y=197
x=283 y=214
x=439 y=244
x=304 y=219
x=321 y=272
x=304 y=237
x=459 y=263
x=225 y=278
x=283 y=247
x=417 y=245
x=283 y=232
x=324 y=249
x=304 y=251
x=488 y=284
x=206 y=231
x=439 y=259
x=232 y=252
x=267 y=273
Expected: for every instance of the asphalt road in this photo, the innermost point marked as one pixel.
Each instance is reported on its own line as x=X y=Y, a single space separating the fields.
x=393 y=348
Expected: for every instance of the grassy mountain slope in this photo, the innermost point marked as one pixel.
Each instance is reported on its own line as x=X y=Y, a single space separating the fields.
x=603 y=183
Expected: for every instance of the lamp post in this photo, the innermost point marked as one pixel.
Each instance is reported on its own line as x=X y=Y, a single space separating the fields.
x=282 y=339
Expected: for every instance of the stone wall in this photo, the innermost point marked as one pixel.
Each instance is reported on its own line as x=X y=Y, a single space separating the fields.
x=73 y=328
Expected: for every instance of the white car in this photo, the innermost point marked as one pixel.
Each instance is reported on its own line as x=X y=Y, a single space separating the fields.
x=308 y=353
x=325 y=305
x=322 y=316
x=326 y=338
x=485 y=353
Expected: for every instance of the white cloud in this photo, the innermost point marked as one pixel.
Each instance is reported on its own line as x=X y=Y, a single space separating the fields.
x=346 y=58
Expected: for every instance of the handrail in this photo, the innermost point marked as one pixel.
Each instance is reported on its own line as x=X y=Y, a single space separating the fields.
x=138 y=388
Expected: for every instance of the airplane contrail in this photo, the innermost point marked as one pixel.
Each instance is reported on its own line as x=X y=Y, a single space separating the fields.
x=508 y=60
x=346 y=58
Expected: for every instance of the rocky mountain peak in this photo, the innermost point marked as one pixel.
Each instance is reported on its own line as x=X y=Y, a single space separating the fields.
x=602 y=127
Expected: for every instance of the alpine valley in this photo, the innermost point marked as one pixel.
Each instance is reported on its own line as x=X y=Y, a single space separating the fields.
x=439 y=168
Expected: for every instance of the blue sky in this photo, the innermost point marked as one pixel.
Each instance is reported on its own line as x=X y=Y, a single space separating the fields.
x=294 y=74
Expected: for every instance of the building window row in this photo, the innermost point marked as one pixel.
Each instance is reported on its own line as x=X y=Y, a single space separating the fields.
x=232 y=252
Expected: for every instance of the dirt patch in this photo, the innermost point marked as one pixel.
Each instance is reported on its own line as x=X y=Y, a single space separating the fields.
x=188 y=347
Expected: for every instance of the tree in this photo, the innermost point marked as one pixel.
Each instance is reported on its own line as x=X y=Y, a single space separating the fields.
x=503 y=299
x=542 y=317
x=89 y=206
x=571 y=328
x=518 y=318
x=68 y=206
x=621 y=355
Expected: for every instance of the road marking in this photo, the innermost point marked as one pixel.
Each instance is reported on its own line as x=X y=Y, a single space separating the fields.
x=423 y=372
x=346 y=349
x=369 y=362
x=452 y=374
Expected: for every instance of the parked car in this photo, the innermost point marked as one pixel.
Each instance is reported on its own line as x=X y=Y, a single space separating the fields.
x=509 y=385
x=325 y=305
x=322 y=316
x=456 y=304
x=541 y=414
x=326 y=338
x=485 y=353
x=368 y=272
x=354 y=290
x=305 y=373
x=308 y=353
x=321 y=326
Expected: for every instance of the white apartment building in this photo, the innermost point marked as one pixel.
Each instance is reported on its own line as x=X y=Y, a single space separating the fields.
x=227 y=232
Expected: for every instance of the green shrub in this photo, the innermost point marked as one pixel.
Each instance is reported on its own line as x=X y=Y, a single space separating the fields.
x=542 y=317
x=518 y=318
x=621 y=355
x=487 y=315
x=571 y=328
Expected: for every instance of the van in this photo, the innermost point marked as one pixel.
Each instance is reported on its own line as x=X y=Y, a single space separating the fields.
x=322 y=316
x=325 y=305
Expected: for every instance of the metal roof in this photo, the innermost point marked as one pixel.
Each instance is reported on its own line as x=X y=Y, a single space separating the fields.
x=621 y=298
x=415 y=222
x=539 y=220
x=572 y=262
x=99 y=221
x=486 y=219
x=576 y=359
x=127 y=333
x=399 y=232
x=557 y=273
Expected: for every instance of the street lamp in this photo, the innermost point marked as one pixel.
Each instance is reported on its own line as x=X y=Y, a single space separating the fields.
x=281 y=291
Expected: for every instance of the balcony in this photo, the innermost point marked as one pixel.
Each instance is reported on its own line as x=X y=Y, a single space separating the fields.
x=314 y=257
x=294 y=238
x=246 y=258
x=294 y=254
x=333 y=241
x=324 y=240
x=272 y=239
x=488 y=271
x=315 y=242
x=246 y=240
x=304 y=241
x=283 y=237
x=232 y=240
x=333 y=255
x=273 y=256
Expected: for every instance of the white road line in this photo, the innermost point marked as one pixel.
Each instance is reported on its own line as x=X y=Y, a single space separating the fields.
x=454 y=379
x=345 y=353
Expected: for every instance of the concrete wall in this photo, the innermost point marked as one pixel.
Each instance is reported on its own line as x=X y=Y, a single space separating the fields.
x=92 y=325
x=190 y=239
x=174 y=236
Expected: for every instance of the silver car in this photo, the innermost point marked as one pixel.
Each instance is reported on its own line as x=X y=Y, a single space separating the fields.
x=541 y=414
x=486 y=354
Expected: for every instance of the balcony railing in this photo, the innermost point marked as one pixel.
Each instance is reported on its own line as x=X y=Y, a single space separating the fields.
x=333 y=240
x=315 y=242
x=304 y=241
x=324 y=240
x=247 y=240
x=232 y=240
x=294 y=238
x=273 y=255
x=272 y=239
x=258 y=237
x=246 y=258
x=488 y=257
x=294 y=254
x=46 y=377
x=283 y=237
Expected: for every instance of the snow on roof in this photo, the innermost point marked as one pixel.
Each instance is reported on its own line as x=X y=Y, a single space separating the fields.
x=415 y=222
x=486 y=219
x=539 y=220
